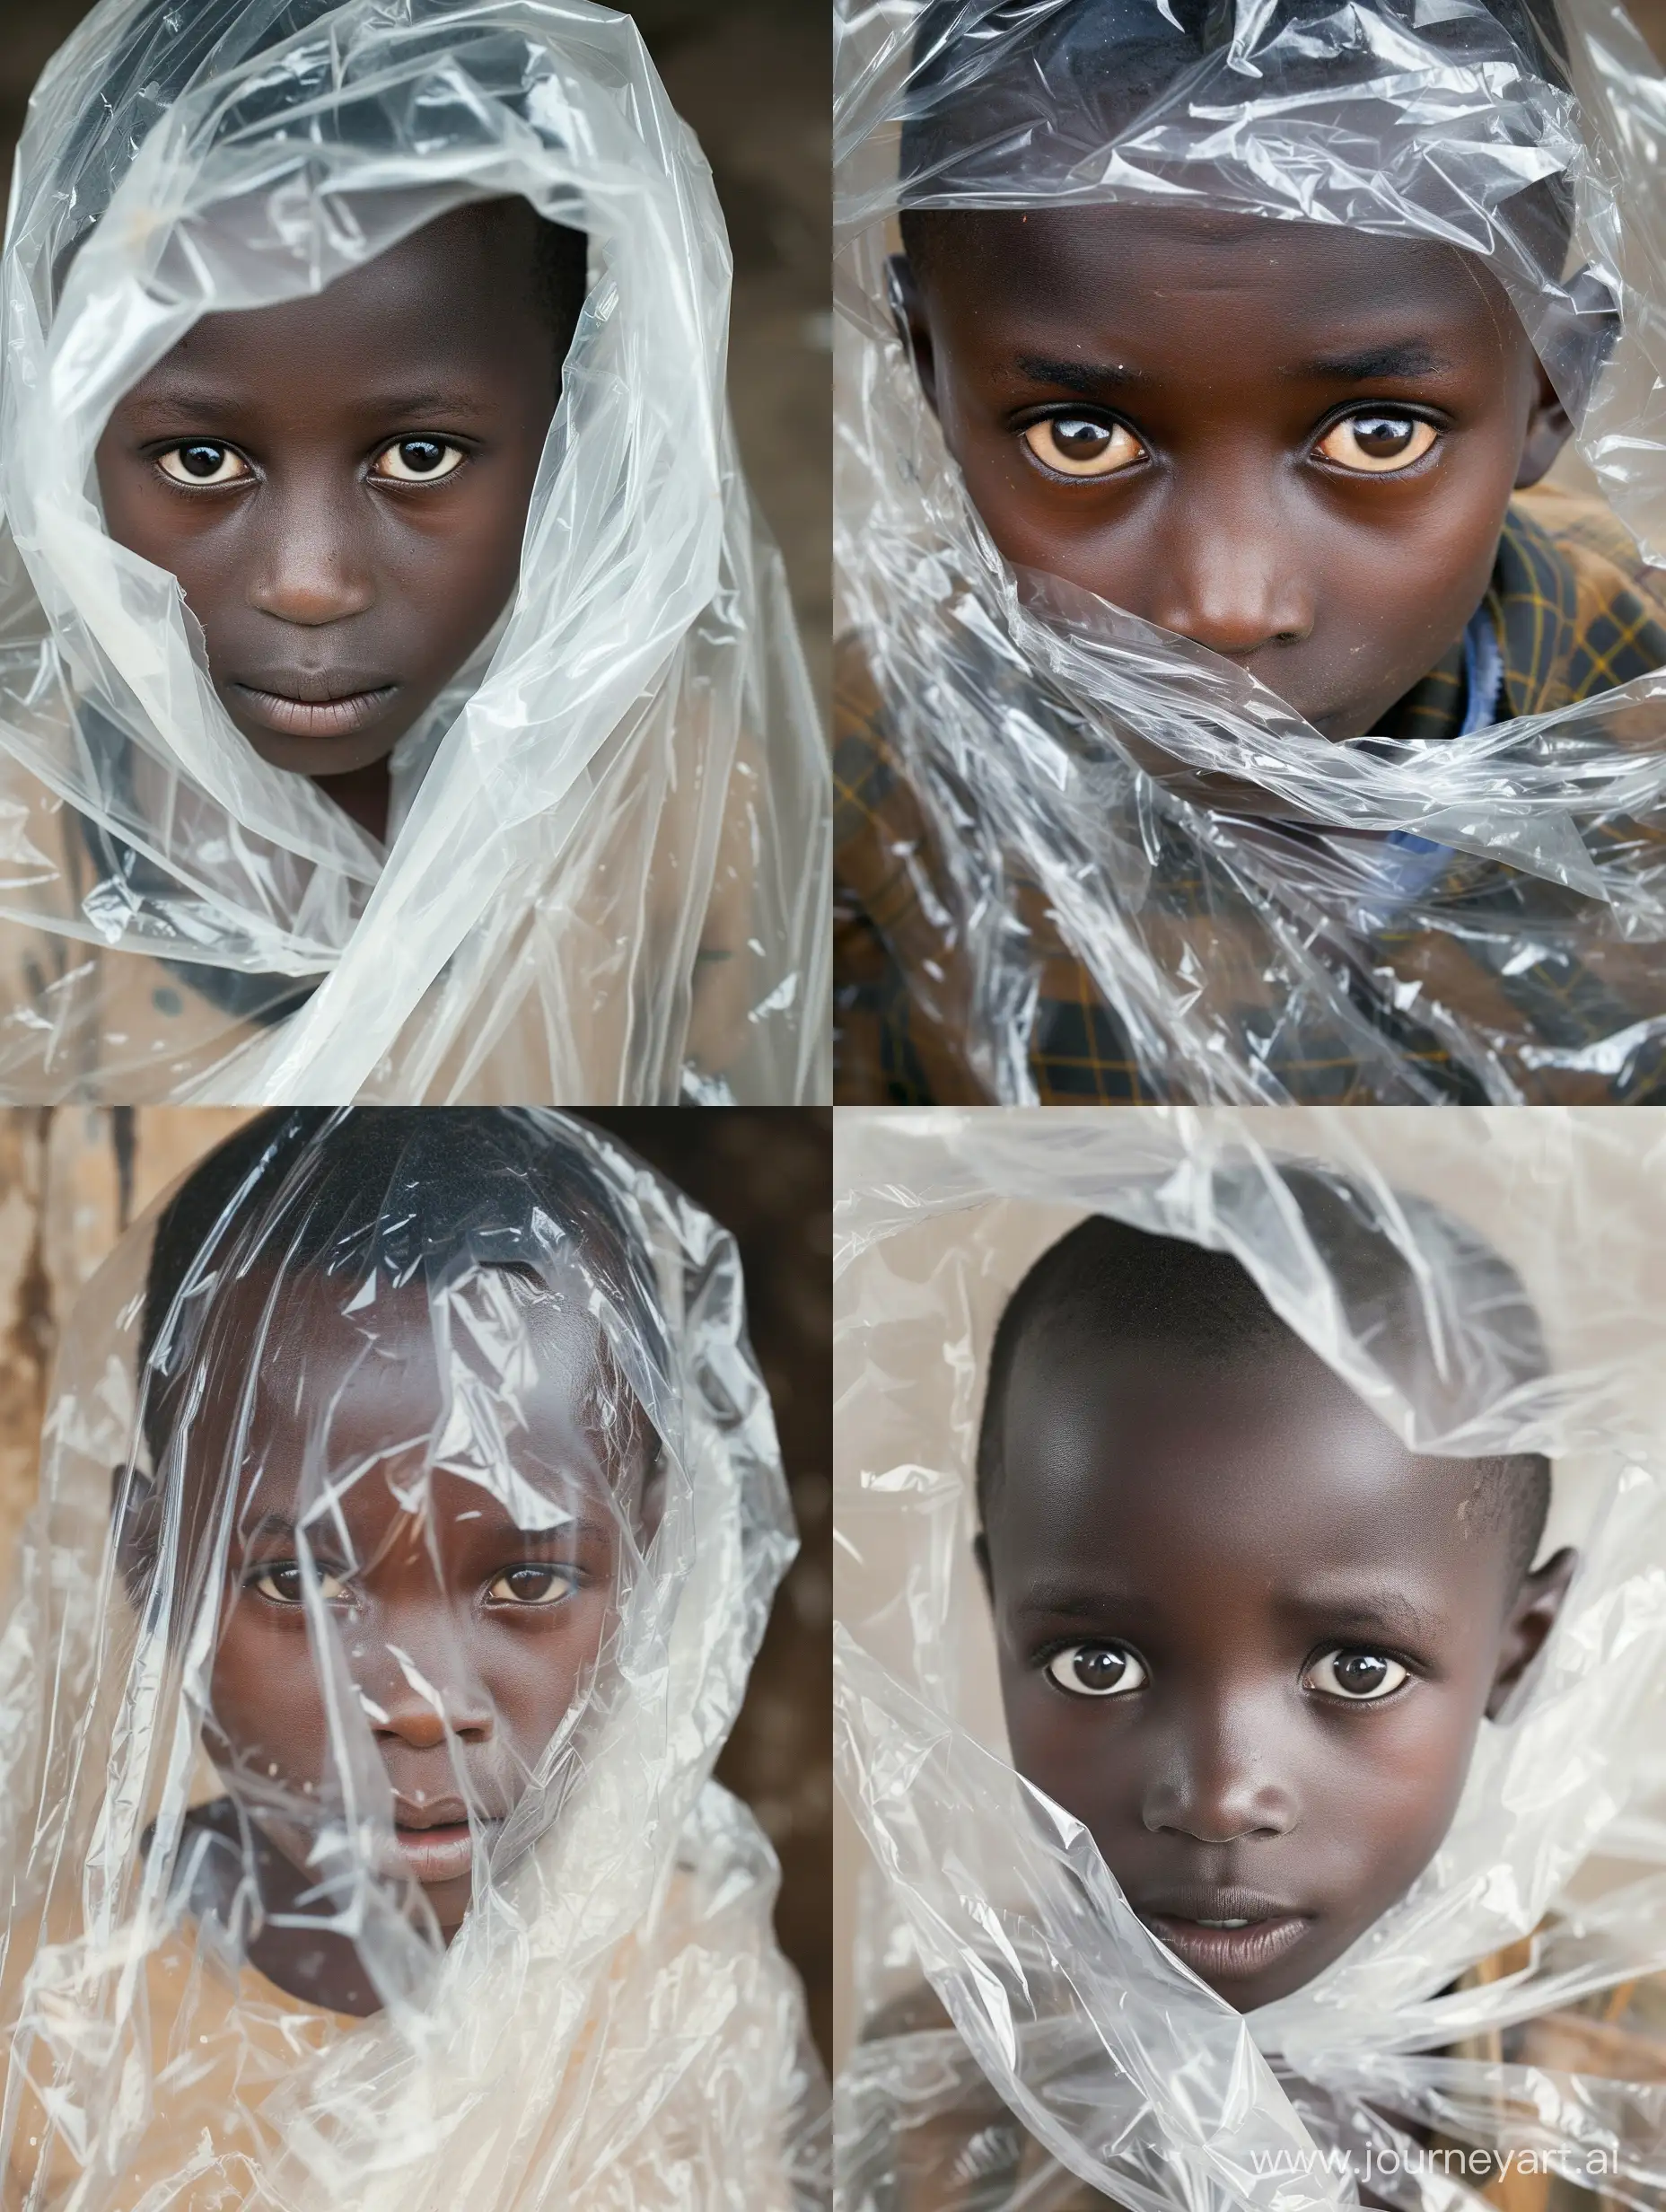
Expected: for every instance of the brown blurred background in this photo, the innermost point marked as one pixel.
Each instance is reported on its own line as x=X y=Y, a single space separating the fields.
x=754 y=78
x=72 y=1178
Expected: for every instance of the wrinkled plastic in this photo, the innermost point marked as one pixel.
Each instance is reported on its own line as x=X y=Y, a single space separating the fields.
x=630 y=770
x=1052 y=739
x=1071 y=2021
x=612 y=2025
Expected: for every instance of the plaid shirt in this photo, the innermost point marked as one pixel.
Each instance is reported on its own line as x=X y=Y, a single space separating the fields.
x=1576 y=1013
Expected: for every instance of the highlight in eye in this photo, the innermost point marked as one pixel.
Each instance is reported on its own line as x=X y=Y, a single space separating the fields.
x=418 y=460
x=1361 y=1677
x=1096 y=1669
x=1081 y=446
x=533 y=1583
x=280 y=1582
x=1377 y=443
x=204 y=465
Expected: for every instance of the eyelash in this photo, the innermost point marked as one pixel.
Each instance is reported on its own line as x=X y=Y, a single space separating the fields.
x=1047 y=1659
x=450 y=447
x=1111 y=424
x=269 y=1569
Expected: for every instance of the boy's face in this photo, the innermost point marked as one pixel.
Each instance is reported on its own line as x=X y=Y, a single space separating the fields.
x=1247 y=1640
x=450 y=1608
x=341 y=483
x=1292 y=443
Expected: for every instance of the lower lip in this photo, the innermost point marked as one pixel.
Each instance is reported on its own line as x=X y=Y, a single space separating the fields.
x=1229 y=1953
x=314 y=717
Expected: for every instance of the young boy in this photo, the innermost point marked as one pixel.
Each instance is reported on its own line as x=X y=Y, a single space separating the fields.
x=371 y=715
x=392 y=1533
x=1300 y=445
x=1244 y=1635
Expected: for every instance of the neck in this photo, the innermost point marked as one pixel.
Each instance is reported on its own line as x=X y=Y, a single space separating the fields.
x=362 y=793
x=313 y=1962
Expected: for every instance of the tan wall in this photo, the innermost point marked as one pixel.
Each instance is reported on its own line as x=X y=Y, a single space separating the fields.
x=71 y=1180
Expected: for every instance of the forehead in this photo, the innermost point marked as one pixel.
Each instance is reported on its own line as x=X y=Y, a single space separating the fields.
x=450 y=299
x=313 y=1381
x=1132 y=269
x=1191 y=1465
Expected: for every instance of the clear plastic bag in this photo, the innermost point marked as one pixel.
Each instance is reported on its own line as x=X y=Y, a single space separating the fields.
x=411 y=1515
x=1077 y=2047
x=606 y=880
x=1091 y=847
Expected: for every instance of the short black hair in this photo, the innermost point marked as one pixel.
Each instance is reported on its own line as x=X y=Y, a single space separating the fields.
x=1106 y=1284
x=1015 y=71
x=429 y=1191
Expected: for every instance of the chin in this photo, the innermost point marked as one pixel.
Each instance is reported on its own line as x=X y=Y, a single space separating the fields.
x=321 y=758
x=449 y=1901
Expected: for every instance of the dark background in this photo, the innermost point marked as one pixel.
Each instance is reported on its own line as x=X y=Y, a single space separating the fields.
x=754 y=78
x=766 y=1174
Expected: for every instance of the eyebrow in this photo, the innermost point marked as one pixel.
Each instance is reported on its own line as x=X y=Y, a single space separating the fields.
x=1090 y=378
x=1063 y=1600
x=197 y=408
x=1368 y=1612
x=1399 y=359
x=1402 y=357
x=283 y=1526
x=1354 y=1612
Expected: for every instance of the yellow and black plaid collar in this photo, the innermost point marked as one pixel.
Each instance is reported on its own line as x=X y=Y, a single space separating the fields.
x=1555 y=649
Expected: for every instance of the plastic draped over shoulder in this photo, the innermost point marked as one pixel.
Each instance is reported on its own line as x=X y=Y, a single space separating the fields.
x=606 y=876
x=1253 y=914
x=359 y=1843
x=1501 y=2010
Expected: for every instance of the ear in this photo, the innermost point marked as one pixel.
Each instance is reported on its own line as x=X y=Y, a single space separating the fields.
x=1548 y=430
x=1531 y=1617
x=135 y=1504
x=651 y=1506
x=907 y=304
x=981 y=1552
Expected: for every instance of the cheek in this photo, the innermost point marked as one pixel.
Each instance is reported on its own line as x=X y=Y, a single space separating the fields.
x=1370 y=1797
x=538 y=1672
x=268 y=1708
x=450 y=575
x=1394 y=1779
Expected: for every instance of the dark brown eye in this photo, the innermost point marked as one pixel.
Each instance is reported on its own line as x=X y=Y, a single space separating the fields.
x=282 y=1584
x=202 y=461
x=534 y=1585
x=1359 y=1675
x=1077 y=446
x=1378 y=442
x=1096 y=1670
x=417 y=461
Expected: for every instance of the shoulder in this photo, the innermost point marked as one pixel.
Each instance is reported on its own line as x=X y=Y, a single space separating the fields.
x=1606 y=559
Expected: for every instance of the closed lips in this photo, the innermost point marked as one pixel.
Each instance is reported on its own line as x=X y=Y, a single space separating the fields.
x=1224 y=1935
x=313 y=706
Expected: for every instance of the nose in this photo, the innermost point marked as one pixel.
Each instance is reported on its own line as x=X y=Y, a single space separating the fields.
x=415 y=1693
x=1217 y=1780
x=312 y=566
x=1228 y=574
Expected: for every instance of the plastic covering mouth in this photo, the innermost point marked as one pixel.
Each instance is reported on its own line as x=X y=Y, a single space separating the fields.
x=443 y=1852
x=297 y=717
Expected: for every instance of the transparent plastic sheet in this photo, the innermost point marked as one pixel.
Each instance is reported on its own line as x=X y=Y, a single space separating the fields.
x=400 y=1352
x=1082 y=2049
x=629 y=773
x=1064 y=757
